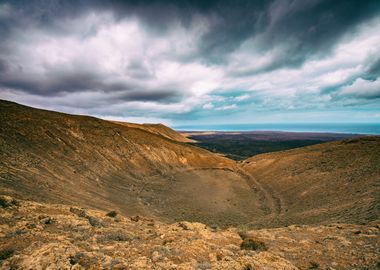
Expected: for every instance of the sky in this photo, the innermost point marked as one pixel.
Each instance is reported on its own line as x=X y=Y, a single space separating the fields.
x=194 y=62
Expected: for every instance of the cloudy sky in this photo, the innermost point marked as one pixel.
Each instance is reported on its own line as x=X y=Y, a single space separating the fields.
x=195 y=62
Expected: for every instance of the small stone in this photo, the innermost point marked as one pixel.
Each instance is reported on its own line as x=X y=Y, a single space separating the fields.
x=31 y=226
x=78 y=212
x=47 y=220
x=228 y=258
x=95 y=222
x=135 y=218
x=155 y=256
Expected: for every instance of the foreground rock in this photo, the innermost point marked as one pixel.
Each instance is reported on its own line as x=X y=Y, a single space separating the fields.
x=46 y=236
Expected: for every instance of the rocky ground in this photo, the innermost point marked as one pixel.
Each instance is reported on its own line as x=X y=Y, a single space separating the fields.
x=52 y=236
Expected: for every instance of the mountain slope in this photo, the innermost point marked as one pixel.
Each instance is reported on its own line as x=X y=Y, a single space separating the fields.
x=55 y=157
x=63 y=169
x=158 y=129
x=329 y=182
x=59 y=158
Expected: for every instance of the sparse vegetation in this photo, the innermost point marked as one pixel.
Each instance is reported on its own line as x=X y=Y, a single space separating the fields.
x=83 y=260
x=75 y=259
x=6 y=253
x=46 y=220
x=253 y=244
x=135 y=218
x=111 y=214
x=114 y=235
x=314 y=265
x=243 y=234
x=248 y=267
x=203 y=265
x=247 y=144
x=78 y=212
x=6 y=201
x=119 y=245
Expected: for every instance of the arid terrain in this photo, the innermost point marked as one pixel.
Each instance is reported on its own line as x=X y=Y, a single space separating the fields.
x=50 y=236
x=331 y=182
x=245 y=144
x=84 y=193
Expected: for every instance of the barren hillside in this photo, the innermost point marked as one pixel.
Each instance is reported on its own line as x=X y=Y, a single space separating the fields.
x=330 y=182
x=62 y=170
x=158 y=129
x=54 y=157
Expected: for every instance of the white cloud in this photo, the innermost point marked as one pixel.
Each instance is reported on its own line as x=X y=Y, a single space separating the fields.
x=119 y=52
x=242 y=97
x=288 y=85
x=362 y=89
x=226 y=107
x=138 y=119
x=208 y=106
x=124 y=54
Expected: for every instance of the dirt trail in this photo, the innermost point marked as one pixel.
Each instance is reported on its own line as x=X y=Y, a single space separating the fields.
x=271 y=200
x=272 y=203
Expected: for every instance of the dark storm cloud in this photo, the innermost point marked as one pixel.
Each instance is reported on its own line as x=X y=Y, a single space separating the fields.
x=373 y=71
x=302 y=28
x=42 y=13
x=67 y=82
x=101 y=59
x=312 y=28
x=307 y=28
x=3 y=66
x=157 y=95
x=53 y=83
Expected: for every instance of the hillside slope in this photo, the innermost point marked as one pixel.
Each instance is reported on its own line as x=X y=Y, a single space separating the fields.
x=54 y=157
x=59 y=158
x=329 y=182
x=158 y=129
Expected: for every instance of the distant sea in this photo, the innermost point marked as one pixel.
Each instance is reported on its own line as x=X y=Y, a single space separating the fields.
x=352 y=128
